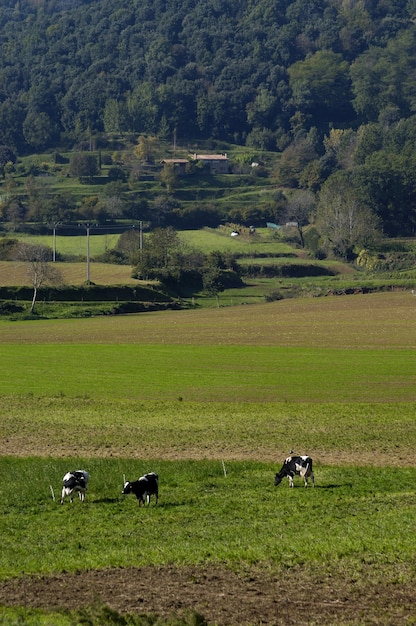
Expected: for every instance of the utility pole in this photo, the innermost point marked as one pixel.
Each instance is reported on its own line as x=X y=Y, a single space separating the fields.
x=55 y=226
x=87 y=229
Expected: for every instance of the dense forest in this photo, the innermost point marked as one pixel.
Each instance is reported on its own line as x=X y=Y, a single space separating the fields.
x=331 y=84
x=251 y=72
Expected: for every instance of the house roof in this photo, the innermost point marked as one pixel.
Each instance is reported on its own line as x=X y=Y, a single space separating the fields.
x=175 y=161
x=210 y=157
x=197 y=157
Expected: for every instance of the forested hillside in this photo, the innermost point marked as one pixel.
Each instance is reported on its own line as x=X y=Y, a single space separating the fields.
x=250 y=71
x=329 y=83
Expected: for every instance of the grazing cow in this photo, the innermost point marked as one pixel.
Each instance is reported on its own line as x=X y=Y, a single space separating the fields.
x=74 y=482
x=296 y=466
x=143 y=488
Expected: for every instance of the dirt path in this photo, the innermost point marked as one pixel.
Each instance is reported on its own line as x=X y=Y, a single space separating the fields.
x=221 y=596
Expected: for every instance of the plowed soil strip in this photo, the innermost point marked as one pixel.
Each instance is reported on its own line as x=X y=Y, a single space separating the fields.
x=220 y=595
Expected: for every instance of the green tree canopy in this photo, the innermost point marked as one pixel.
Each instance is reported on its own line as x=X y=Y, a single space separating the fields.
x=83 y=165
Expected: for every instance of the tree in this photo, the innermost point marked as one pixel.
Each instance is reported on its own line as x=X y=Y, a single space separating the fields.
x=293 y=161
x=162 y=207
x=163 y=242
x=383 y=77
x=168 y=177
x=212 y=281
x=39 y=269
x=114 y=116
x=129 y=246
x=141 y=108
x=92 y=209
x=299 y=209
x=6 y=156
x=146 y=148
x=37 y=196
x=113 y=198
x=321 y=87
x=387 y=183
x=39 y=130
x=84 y=165
x=60 y=208
x=343 y=221
x=156 y=258
x=219 y=271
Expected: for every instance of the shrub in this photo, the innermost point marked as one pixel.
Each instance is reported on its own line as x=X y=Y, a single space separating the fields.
x=7 y=248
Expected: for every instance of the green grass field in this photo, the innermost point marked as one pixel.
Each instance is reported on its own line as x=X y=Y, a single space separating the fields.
x=74 y=245
x=209 y=373
x=213 y=400
x=206 y=240
x=197 y=503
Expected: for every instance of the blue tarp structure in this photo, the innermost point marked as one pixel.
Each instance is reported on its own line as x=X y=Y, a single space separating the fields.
x=272 y=225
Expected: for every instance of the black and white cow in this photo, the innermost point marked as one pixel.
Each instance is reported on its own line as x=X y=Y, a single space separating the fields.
x=74 y=482
x=143 y=488
x=296 y=466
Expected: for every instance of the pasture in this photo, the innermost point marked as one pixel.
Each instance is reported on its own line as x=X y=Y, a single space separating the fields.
x=74 y=245
x=206 y=240
x=213 y=400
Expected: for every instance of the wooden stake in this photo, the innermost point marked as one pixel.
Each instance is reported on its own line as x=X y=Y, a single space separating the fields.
x=224 y=470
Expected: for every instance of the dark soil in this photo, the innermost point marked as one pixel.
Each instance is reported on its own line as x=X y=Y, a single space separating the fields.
x=221 y=596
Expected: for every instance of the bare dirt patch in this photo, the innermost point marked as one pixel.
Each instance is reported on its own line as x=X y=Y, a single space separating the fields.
x=223 y=597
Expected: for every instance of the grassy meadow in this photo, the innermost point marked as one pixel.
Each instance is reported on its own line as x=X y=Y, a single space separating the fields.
x=213 y=400
x=203 y=516
x=74 y=245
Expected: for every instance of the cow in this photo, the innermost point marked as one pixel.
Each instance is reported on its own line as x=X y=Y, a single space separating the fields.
x=143 y=488
x=74 y=482
x=296 y=466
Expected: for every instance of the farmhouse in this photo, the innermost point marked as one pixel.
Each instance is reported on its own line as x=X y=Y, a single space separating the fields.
x=178 y=164
x=217 y=163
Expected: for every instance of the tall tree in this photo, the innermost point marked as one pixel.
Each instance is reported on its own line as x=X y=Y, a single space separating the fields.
x=299 y=209
x=168 y=177
x=37 y=259
x=342 y=219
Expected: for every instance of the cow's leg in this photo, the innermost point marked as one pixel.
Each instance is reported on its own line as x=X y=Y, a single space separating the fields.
x=310 y=475
x=290 y=481
x=304 y=473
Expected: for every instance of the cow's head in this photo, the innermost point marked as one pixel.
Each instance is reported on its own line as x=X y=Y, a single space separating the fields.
x=127 y=488
x=278 y=479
